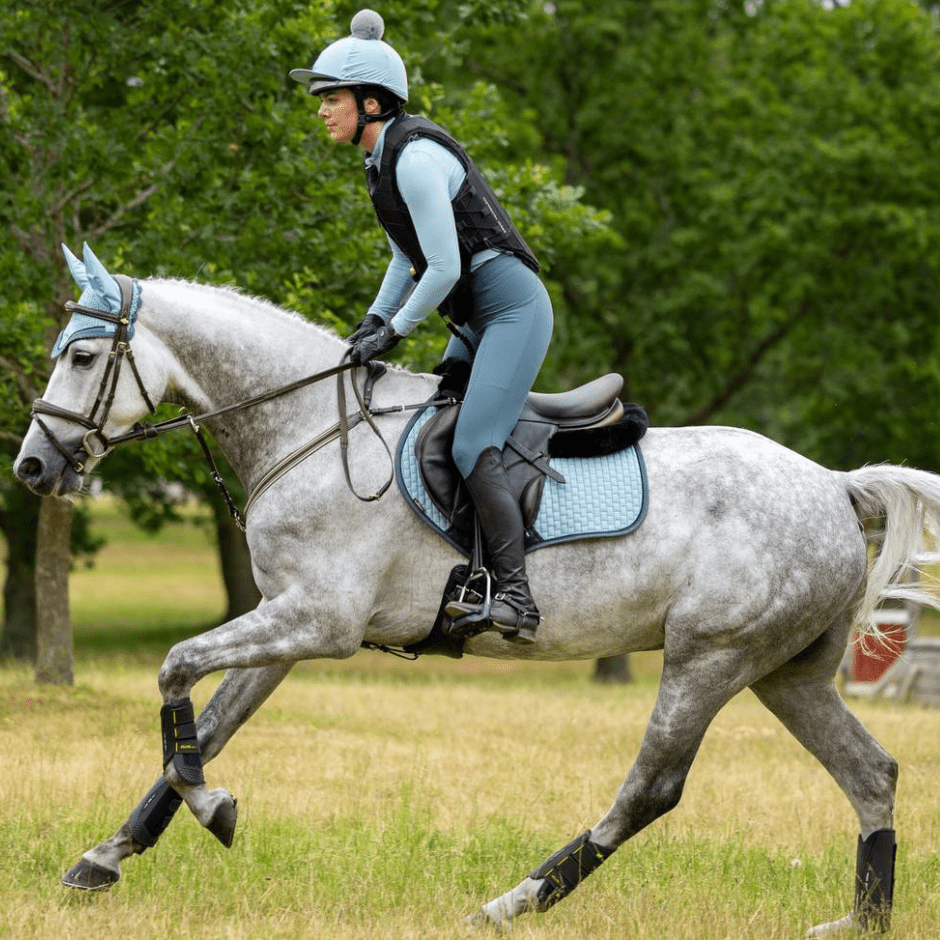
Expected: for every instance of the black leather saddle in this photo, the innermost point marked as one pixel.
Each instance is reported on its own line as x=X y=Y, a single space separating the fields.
x=588 y=421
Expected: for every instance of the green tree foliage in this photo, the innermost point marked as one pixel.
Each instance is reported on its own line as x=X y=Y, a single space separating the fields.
x=771 y=169
x=171 y=139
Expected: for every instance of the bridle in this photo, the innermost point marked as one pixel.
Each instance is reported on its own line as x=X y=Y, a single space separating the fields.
x=94 y=442
x=121 y=350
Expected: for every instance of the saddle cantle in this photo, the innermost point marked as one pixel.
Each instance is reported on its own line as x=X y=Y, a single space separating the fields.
x=568 y=428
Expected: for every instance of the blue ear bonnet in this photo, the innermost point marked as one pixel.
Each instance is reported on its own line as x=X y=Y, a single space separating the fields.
x=101 y=292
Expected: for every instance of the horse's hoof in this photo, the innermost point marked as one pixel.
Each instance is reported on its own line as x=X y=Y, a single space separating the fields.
x=87 y=876
x=222 y=823
x=481 y=921
x=833 y=929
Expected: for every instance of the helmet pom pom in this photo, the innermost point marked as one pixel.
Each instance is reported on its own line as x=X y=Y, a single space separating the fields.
x=367 y=24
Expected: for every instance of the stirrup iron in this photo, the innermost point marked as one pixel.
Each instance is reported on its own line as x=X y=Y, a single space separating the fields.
x=478 y=599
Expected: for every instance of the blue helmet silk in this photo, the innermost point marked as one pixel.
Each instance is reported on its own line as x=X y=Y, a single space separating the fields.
x=361 y=58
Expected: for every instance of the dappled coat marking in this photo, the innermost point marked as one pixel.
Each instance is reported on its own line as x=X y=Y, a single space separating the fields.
x=750 y=570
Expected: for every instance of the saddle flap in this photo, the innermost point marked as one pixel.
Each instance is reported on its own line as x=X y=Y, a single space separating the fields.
x=436 y=466
x=444 y=483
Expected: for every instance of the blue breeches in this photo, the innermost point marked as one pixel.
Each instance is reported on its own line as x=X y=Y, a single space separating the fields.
x=510 y=330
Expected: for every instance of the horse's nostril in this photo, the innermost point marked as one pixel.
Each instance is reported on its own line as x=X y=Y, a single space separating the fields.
x=30 y=469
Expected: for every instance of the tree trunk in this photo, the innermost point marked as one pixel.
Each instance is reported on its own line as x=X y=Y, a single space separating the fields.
x=18 y=522
x=613 y=670
x=235 y=561
x=54 y=655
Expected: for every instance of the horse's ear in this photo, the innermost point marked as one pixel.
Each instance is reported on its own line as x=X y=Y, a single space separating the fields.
x=76 y=268
x=100 y=281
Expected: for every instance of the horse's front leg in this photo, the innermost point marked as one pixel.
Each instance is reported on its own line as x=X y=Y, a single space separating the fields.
x=216 y=810
x=281 y=631
x=237 y=698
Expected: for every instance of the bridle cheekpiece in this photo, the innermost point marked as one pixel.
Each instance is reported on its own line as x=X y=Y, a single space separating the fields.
x=94 y=443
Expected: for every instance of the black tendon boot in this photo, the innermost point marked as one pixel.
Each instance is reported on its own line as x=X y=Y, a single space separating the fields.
x=512 y=612
x=874 y=881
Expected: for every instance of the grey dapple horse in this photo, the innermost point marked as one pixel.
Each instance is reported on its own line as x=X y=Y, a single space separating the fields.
x=750 y=570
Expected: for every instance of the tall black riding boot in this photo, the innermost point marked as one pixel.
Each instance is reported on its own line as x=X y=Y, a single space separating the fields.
x=513 y=612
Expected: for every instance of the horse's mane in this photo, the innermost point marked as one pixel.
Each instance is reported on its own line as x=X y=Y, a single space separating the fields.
x=256 y=309
x=234 y=293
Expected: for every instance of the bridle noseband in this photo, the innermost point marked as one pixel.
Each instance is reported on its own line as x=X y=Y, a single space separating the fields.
x=94 y=443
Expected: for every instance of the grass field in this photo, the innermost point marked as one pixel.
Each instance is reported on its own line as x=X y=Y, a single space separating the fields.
x=387 y=799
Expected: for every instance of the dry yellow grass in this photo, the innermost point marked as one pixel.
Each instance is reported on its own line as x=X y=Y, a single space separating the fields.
x=384 y=799
x=388 y=799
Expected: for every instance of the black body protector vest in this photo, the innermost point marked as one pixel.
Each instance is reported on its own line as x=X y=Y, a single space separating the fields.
x=480 y=219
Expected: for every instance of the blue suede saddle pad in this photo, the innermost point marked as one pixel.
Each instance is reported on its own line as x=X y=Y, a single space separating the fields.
x=601 y=496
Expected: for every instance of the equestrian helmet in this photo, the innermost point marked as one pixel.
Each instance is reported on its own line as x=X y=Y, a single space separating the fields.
x=360 y=59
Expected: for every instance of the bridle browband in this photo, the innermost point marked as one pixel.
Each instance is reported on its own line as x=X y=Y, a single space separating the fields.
x=121 y=350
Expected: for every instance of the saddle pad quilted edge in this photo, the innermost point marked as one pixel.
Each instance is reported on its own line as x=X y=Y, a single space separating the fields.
x=602 y=497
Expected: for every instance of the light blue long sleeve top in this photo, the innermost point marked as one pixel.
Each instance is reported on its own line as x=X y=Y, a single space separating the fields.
x=428 y=178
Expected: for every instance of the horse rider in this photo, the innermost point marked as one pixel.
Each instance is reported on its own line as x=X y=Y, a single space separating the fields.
x=454 y=248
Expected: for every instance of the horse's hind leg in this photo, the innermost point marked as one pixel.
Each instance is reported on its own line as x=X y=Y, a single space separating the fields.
x=690 y=695
x=237 y=698
x=803 y=696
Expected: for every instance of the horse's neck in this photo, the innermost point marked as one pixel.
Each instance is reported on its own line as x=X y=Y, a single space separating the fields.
x=227 y=348
x=230 y=340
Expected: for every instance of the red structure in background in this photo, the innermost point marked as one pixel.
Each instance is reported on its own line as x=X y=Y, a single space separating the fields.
x=871 y=660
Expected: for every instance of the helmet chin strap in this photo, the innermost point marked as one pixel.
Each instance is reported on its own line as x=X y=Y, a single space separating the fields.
x=365 y=117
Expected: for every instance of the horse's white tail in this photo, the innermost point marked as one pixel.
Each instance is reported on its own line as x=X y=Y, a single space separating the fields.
x=909 y=503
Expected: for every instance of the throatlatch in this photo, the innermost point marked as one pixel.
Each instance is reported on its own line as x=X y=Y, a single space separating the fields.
x=874 y=881
x=567 y=868
x=153 y=814
x=180 y=745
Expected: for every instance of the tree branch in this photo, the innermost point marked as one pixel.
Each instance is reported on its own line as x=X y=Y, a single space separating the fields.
x=57 y=207
x=121 y=211
x=740 y=379
x=144 y=194
x=31 y=70
x=8 y=437
x=27 y=390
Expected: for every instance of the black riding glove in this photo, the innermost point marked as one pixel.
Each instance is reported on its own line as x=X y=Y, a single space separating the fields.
x=368 y=324
x=373 y=344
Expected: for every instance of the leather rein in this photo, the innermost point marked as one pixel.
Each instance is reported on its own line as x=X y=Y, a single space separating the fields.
x=96 y=444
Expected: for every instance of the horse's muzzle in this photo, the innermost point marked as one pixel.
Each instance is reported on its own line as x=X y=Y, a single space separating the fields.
x=47 y=473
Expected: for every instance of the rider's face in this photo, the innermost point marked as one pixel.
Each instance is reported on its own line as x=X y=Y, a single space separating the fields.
x=340 y=113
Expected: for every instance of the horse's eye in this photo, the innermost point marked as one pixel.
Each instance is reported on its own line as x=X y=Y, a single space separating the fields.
x=82 y=358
